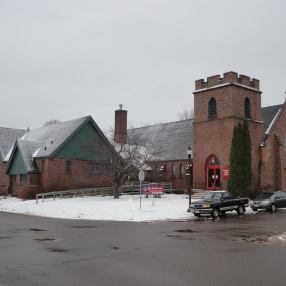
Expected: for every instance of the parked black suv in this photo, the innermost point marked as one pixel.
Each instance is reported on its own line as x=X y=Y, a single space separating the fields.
x=217 y=203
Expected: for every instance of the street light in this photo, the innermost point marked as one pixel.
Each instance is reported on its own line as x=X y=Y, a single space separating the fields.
x=190 y=169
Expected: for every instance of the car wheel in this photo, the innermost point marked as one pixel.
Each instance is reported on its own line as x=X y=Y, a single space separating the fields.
x=215 y=213
x=240 y=210
x=273 y=208
x=254 y=209
x=222 y=213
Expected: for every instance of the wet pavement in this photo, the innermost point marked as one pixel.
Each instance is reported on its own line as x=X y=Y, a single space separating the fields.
x=246 y=250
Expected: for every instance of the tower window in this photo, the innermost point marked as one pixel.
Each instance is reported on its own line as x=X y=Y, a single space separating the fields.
x=247 y=108
x=212 y=108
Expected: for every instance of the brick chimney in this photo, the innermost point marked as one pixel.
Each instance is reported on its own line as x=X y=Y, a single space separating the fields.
x=120 y=131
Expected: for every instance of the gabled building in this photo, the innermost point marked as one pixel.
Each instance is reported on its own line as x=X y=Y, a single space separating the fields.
x=67 y=155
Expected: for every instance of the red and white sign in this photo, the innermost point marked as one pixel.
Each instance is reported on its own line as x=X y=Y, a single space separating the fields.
x=225 y=172
x=153 y=189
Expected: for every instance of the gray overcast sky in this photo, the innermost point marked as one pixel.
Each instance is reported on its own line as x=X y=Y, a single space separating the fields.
x=66 y=59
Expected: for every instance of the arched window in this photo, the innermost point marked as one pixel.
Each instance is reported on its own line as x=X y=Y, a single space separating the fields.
x=212 y=108
x=181 y=170
x=247 y=108
x=173 y=171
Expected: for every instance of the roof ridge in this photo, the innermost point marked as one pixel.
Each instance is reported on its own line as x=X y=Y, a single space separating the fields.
x=165 y=123
x=59 y=123
x=13 y=128
x=275 y=105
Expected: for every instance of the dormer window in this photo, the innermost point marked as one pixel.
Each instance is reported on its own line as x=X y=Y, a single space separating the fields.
x=212 y=108
x=247 y=108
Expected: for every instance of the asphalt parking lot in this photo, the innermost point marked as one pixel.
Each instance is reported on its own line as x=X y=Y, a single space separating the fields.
x=246 y=250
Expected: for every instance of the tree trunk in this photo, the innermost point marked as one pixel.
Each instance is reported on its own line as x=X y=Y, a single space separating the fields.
x=115 y=191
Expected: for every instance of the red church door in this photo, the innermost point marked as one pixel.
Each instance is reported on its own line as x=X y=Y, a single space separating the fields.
x=213 y=181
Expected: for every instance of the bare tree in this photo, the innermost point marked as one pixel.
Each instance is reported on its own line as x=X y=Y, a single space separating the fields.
x=186 y=114
x=51 y=122
x=131 y=157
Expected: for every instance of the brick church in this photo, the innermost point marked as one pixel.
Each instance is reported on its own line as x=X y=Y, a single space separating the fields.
x=220 y=103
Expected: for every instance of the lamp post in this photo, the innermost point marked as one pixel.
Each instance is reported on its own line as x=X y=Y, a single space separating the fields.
x=190 y=169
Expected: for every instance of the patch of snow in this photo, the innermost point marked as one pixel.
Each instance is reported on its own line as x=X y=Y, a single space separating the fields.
x=126 y=208
x=226 y=84
x=24 y=136
x=273 y=121
x=36 y=152
x=7 y=158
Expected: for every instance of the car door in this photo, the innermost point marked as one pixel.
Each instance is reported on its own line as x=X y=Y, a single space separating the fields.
x=282 y=199
x=279 y=199
x=226 y=201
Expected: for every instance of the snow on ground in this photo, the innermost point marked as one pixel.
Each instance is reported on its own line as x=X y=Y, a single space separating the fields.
x=126 y=208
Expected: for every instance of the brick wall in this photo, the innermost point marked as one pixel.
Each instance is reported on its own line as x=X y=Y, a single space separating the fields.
x=178 y=180
x=273 y=167
x=55 y=176
x=4 y=179
x=230 y=103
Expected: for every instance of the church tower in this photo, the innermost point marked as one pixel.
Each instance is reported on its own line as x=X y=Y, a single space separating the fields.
x=220 y=103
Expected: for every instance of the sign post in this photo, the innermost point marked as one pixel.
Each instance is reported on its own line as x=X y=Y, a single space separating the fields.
x=141 y=177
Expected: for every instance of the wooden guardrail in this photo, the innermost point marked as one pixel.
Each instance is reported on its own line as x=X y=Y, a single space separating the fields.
x=74 y=193
x=131 y=189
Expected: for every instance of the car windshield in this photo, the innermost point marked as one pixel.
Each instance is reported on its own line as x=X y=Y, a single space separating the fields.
x=263 y=196
x=212 y=196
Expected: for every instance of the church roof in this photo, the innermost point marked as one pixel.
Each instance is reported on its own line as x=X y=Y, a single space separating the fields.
x=8 y=137
x=175 y=137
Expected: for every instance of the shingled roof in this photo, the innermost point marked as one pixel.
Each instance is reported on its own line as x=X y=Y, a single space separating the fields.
x=8 y=137
x=172 y=137
x=27 y=149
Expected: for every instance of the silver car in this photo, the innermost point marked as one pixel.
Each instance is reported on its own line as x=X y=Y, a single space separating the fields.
x=269 y=201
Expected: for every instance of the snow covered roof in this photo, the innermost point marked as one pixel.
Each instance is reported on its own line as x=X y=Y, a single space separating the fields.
x=49 y=138
x=8 y=137
x=173 y=138
x=268 y=115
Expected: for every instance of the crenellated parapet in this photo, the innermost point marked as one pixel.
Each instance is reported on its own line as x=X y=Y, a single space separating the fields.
x=228 y=77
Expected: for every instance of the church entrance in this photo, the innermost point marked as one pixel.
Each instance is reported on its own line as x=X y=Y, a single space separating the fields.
x=213 y=181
